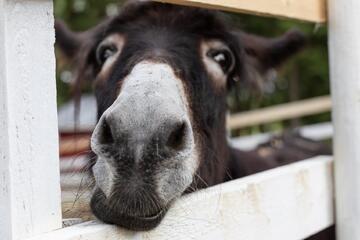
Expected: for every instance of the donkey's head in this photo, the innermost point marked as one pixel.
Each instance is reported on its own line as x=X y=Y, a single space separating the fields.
x=161 y=73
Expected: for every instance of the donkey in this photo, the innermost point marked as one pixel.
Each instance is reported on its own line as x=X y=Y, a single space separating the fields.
x=161 y=74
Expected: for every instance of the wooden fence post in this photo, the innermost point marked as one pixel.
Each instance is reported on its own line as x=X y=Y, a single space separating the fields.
x=29 y=165
x=344 y=49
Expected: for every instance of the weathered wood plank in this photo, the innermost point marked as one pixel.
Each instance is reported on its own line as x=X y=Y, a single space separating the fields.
x=76 y=204
x=344 y=53
x=29 y=169
x=280 y=112
x=308 y=10
x=290 y=202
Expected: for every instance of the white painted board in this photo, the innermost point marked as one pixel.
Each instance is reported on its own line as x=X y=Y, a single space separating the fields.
x=286 y=203
x=344 y=55
x=29 y=169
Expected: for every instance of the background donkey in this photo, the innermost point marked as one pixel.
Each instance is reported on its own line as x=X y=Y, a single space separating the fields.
x=161 y=74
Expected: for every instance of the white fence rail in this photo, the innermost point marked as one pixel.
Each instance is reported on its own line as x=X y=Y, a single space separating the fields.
x=278 y=112
x=287 y=203
x=344 y=42
x=29 y=169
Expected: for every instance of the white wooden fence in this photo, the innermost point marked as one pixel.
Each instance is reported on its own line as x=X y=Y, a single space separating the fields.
x=290 y=202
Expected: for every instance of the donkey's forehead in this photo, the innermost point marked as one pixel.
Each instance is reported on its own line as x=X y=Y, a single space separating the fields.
x=140 y=16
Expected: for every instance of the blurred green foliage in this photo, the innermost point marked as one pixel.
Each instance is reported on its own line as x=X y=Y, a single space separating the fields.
x=304 y=76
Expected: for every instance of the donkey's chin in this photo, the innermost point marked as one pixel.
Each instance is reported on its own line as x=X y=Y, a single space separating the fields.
x=111 y=215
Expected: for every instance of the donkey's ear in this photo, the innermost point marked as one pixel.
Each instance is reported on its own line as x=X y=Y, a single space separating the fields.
x=266 y=53
x=68 y=41
x=71 y=43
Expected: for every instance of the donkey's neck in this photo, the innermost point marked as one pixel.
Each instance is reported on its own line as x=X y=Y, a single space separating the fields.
x=214 y=158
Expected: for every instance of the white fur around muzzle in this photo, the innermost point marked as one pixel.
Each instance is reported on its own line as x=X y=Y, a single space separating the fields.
x=150 y=94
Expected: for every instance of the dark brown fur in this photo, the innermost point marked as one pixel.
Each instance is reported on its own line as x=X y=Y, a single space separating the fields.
x=171 y=34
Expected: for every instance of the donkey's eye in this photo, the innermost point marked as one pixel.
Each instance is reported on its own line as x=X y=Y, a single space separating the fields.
x=223 y=57
x=104 y=52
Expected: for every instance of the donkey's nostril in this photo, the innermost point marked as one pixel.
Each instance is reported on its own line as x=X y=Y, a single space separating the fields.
x=176 y=138
x=106 y=136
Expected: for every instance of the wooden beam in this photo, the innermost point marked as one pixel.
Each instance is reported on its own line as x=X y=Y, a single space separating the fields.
x=30 y=200
x=76 y=204
x=74 y=145
x=344 y=56
x=286 y=203
x=280 y=112
x=307 y=10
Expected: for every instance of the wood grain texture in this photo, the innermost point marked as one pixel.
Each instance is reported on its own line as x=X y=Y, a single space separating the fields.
x=280 y=112
x=29 y=170
x=286 y=203
x=344 y=53
x=307 y=10
x=74 y=145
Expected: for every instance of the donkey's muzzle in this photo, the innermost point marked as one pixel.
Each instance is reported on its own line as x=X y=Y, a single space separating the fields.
x=108 y=214
x=145 y=148
x=167 y=137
